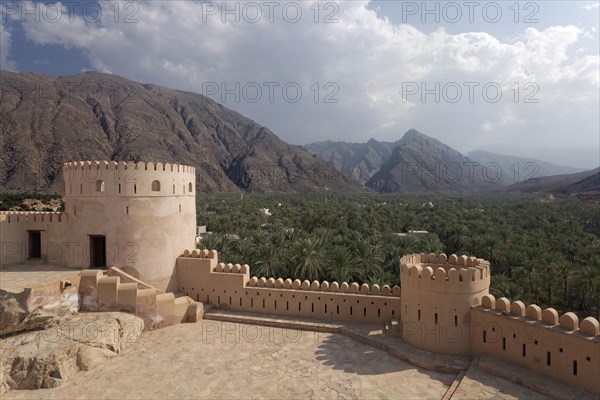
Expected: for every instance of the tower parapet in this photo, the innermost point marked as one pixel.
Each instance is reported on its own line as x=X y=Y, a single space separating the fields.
x=437 y=294
x=445 y=274
x=111 y=178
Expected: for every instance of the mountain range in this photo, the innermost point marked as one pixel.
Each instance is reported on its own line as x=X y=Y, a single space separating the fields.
x=419 y=163
x=358 y=161
x=46 y=121
x=519 y=169
x=586 y=181
x=424 y=164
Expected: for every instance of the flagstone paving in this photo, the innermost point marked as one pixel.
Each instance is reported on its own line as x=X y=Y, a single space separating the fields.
x=225 y=360
x=15 y=278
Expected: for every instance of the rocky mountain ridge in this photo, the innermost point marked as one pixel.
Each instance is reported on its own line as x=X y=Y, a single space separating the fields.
x=46 y=121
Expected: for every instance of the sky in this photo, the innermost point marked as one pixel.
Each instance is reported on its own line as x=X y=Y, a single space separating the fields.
x=505 y=75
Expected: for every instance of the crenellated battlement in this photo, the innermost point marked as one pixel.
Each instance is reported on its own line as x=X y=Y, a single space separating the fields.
x=297 y=284
x=561 y=347
x=212 y=254
x=15 y=217
x=83 y=166
x=549 y=318
x=442 y=273
x=325 y=286
x=112 y=178
x=229 y=286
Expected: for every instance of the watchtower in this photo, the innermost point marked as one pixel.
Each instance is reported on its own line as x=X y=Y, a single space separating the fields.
x=437 y=294
x=138 y=216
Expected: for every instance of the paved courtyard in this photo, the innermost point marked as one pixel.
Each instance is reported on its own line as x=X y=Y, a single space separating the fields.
x=222 y=360
x=227 y=360
x=15 y=278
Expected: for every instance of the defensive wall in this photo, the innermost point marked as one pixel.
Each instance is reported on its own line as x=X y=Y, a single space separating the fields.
x=437 y=296
x=560 y=347
x=444 y=307
x=138 y=216
x=14 y=238
x=111 y=178
x=230 y=286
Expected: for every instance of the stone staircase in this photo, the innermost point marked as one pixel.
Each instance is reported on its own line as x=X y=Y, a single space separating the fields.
x=100 y=292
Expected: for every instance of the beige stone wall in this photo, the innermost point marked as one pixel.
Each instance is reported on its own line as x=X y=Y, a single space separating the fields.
x=437 y=295
x=14 y=239
x=229 y=286
x=146 y=211
x=560 y=347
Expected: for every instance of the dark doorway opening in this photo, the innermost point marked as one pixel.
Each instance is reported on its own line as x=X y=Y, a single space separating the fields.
x=35 y=244
x=97 y=251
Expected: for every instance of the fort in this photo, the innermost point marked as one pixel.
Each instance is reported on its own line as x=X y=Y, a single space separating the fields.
x=130 y=228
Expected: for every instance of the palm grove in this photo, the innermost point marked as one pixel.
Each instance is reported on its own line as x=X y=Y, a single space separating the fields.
x=542 y=250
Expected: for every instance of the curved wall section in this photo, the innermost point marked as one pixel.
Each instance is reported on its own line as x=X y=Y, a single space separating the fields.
x=437 y=296
x=144 y=214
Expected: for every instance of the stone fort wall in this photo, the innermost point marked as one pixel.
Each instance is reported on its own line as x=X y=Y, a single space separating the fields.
x=111 y=178
x=14 y=239
x=437 y=296
x=227 y=286
x=145 y=212
x=469 y=321
x=560 y=347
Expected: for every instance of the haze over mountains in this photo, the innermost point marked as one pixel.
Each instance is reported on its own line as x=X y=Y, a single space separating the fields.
x=521 y=168
x=586 y=181
x=46 y=121
x=584 y=158
x=358 y=161
x=423 y=164
x=419 y=163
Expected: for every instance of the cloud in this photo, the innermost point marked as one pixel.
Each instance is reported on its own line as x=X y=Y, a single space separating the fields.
x=591 y=6
x=5 y=46
x=353 y=71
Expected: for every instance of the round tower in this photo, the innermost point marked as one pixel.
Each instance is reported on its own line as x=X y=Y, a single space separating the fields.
x=436 y=297
x=136 y=216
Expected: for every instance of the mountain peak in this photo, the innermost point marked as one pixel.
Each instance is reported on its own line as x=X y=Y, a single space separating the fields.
x=229 y=151
x=413 y=134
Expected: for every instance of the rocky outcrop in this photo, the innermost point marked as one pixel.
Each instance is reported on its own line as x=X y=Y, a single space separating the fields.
x=32 y=310
x=80 y=342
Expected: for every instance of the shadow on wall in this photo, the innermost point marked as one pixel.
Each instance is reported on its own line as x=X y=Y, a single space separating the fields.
x=342 y=353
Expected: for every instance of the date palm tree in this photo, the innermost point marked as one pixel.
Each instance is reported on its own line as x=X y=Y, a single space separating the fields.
x=308 y=258
x=368 y=259
x=267 y=261
x=341 y=265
